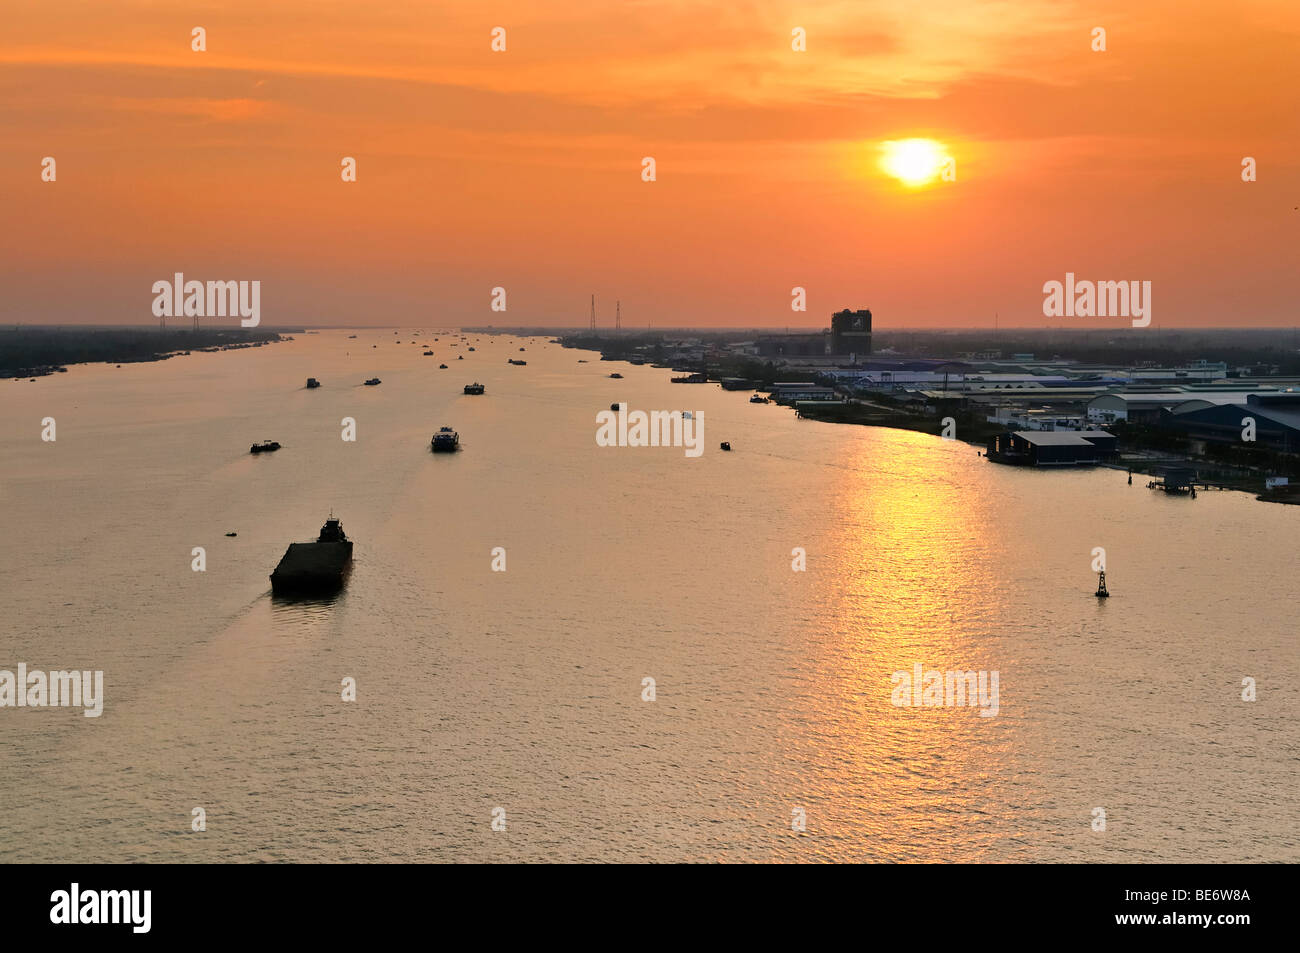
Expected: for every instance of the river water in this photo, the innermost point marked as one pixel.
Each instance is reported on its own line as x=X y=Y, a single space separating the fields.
x=524 y=690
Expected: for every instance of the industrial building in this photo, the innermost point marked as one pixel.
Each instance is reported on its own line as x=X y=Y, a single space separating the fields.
x=1054 y=448
x=1275 y=416
x=851 y=333
x=792 y=345
x=1141 y=407
x=789 y=392
x=848 y=336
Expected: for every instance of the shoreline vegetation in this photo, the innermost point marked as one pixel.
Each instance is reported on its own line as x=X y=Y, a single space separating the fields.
x=1143 y=450
x=30 y=352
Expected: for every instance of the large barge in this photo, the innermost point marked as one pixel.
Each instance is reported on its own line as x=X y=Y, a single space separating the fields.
x=319 y=566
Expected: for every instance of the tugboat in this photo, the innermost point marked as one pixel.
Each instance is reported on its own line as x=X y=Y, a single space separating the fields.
x=475 y=388
x=266 y=446
x=1102 y=592
x=320 y=566
x=374 y=381
x=445 y=440
x=756 y=399
x=312 y=382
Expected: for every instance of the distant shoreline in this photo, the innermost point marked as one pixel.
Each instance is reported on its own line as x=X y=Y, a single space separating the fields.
x=31 y=352
x=975 y=432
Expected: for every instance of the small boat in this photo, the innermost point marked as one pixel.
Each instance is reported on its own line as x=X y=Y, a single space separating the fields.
x=475 y=388
x=687 y=415
x=582 y=360
x=516 y=363
x=460 y=357
x=232 y=534
x=442 y=367
x=351 y=336
x=428 y=354
x=521 y=349
x=756 y=399
x=616 y=376
x=471 y=349
x=266 y=446
x=445 y=440
x=725 y=445
x=615 y=407
x=312 y=382
x=373 y=382
x=1102 y=592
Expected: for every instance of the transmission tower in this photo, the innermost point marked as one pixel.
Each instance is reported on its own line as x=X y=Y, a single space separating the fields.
x=593 y=314
x=618 y=317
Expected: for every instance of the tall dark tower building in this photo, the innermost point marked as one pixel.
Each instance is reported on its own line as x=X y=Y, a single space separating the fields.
x=851 y=332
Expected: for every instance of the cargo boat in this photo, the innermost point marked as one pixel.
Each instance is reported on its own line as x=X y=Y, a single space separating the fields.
x=320 y=566
x=445 y=440
x=372 y=382
x=475 y=388
x=312 y=382
x=266 y=446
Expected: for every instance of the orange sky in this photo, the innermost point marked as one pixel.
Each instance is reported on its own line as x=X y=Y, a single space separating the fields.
x=522 y=169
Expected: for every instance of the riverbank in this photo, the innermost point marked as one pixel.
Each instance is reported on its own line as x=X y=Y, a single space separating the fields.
x=29 y=351
x=1142 y=450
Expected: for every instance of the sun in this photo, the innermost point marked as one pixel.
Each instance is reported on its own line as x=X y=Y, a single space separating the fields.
x=914 y=162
